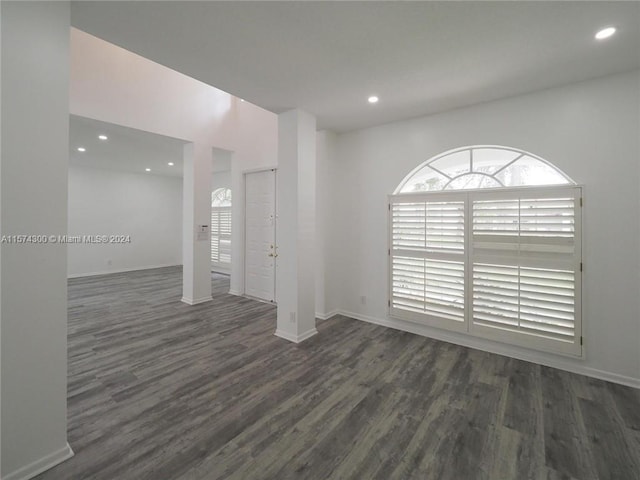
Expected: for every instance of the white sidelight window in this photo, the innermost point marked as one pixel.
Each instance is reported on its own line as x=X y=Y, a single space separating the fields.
x=496 y=255
x=221 y=229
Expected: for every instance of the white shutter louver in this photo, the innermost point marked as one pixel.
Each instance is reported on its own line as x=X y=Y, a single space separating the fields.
x=429 y=286
x=225 y=235
x=547 y=303
x=524 y=262
x=221 y=236
x=495 y=295
x=428 y=274
x=215 y=238
x=512 y=256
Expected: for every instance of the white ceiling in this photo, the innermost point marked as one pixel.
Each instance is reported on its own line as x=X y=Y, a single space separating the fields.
x=126 y=150
x=328 y=57
x=130 y=150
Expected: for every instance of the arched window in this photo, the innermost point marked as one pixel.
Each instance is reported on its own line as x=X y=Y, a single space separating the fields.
x=221 y=197
x=482 y=166
x=486 y=240
x=221 y=230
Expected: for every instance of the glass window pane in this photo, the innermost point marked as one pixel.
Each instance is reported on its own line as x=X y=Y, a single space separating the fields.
x=453 y=164
x=472 y=180
x=530 y=171
x=490 y=160
x=221 y=197
x=488 y=167
x=425 y=180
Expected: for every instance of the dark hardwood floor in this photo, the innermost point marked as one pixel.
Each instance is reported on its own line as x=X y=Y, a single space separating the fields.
x=161 y=390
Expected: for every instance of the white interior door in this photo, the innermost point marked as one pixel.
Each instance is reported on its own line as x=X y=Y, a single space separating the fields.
x=260 y=235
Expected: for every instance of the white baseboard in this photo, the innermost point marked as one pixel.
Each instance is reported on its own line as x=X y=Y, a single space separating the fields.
x=326 y=316
x=41 y=465
x=493 y=347
x=296 y=338
x=237 y=293
x=196 y=301
x=120 y=270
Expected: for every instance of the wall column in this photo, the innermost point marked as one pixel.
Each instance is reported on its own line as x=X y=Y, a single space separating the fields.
x=196 y=223
x=33 y=191
x=296 y=225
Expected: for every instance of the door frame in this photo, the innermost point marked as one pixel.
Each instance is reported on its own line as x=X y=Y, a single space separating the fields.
x=273 y=169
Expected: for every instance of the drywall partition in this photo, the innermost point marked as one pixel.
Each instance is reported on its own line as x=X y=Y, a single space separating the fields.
x=325 y=214
x=589 y=130
x=196 y=221
x=257 y=150
x=35 y=123
x=296 y=226
x=114 y=85
x=221 y=180
x=145 y=208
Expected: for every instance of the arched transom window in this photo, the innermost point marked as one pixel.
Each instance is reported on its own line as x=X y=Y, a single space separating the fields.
x=486 y=240
x=482 y=167
x=221 y=197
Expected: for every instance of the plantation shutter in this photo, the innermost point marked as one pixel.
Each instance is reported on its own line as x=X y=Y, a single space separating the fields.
x=428 y=259
x=525 y=267
x=215 y=235
x=502 y=264
x=225 y=234
x=220 y=235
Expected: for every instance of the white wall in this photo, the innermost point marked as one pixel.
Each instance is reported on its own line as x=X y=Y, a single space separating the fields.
x=590 y=130
x=114 y=85
x=146 y=207
x=325 y=215
x=258 y=150
x=35 y=133
x=221 y=180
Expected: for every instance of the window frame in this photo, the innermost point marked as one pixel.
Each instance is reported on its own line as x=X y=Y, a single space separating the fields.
x=534 y=342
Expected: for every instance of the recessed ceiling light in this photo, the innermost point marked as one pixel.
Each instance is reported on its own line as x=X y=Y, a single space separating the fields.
x=103 y=137
x=242 y=99
x=373 y=99
x=147 y=169
x=605 y=33
x=170 y=164
x=82 y=149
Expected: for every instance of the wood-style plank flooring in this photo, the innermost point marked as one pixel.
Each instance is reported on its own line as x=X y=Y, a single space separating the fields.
x=160 y=390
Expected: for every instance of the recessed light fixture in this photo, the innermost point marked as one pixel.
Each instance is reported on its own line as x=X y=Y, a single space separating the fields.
x=170 y=164
x=242 y=99
x=103 y=137
x=605 y=33
x=147 y=169
x=373 y=99
x=82 y=149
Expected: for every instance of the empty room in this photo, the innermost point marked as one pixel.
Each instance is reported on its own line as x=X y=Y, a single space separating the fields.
x=320 y=240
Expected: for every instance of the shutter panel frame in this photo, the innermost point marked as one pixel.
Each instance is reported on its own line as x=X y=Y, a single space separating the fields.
x=435 y=227
x=548 y=241
x=543 y=321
